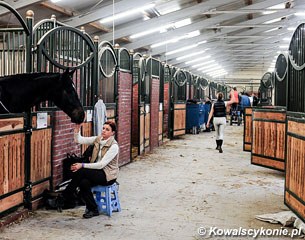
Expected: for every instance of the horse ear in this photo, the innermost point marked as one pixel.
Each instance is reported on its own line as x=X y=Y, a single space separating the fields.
x=72 y=71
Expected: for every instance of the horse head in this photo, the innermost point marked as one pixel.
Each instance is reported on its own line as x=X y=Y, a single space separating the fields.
x=67 y=98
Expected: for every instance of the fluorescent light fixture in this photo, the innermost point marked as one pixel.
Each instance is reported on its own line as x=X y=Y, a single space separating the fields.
x=300 y=14
x=182 y=23
x=284 y=46
x=273 y=20
x=215 y=70
x=174 y=40
x=181 y=49
x=286 y=39
x=291 y=28
x=206 y=66
x=163 y=29
x=198 y=59
x=190 y=55
x=126 y=13
x=55 y=1
x=277 y=6
x=201 y=64
x=202 y=42
x=173 y=7
x=271 y=30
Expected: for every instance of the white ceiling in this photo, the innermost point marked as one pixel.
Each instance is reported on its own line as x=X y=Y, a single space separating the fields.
x=234 y=34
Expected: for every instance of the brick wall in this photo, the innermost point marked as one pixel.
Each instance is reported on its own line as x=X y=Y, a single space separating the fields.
x=135 y=115
x=62 y=142
x=124 y=116
x=154 y=111
x=166 y=106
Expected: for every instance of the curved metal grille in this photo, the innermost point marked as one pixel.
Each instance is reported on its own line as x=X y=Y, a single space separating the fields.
x=296 y=71
x=280 y=82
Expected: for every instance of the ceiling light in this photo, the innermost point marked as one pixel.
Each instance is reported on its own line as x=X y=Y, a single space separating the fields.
x=291 y=28
x=126 y=13
x=271 y=30
x=182 y=23
x=190 y=55
x=198 y=59
x=204 y=63
x=209 y=66
x=204 y=41
x=55 y=1
x=277 y=6
x=286 y=39
x=273 y=20
x=181 y=49
x=299 y=14
x=170 y=9
x=284 y=46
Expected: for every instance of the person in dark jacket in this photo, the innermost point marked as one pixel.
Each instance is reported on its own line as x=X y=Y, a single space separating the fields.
x=209 y=106
x=218 y=111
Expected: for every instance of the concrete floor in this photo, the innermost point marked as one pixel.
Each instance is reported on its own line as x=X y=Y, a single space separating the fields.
x=180 y=187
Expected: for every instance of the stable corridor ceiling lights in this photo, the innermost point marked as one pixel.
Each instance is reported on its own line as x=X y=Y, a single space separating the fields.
x=177 y=39
x=185 y=48
x=197 y=60
x=163 y=28
x=190 y=55
x=202 y=64
x=181 y=49
x=55 y=1
x=126 y=13
x=275 y=7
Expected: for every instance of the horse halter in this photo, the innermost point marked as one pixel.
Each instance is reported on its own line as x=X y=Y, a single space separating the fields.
x=1 y=103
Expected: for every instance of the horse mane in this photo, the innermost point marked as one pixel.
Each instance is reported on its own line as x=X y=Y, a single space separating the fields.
x=27 y=75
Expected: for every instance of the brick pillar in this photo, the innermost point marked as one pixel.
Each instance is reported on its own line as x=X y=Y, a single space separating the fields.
x=124 y=116
x=154 y=111
x=62 y=143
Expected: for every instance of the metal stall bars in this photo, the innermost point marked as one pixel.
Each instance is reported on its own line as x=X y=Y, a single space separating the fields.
x=295 y=124
x=166 y=98
x=178 y=103
x=138 y=108
x=57 y=47
x=280 y=80
x=265 y=89
x=107 y=78
x=15 y=129
x=152 y=89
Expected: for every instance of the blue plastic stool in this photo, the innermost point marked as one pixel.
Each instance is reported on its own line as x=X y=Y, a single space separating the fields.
x=107 y=199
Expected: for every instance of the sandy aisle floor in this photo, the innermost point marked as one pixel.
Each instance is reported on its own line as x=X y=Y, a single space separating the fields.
x=169 y=194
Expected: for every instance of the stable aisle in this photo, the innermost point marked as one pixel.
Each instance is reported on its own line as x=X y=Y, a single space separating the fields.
x=182 y=186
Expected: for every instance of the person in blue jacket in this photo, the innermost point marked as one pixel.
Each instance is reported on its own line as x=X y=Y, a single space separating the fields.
x=245 y=102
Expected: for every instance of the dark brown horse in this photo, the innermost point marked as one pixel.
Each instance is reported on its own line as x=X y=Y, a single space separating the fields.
x=18 y=93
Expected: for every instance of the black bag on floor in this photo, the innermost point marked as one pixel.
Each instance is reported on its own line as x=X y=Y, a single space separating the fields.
x=53 y=200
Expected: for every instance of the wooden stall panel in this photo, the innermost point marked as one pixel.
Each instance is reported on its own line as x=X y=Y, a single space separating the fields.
x=11 y=124
x=86 y=132
x=295 y=167
x=268 y=142
x=179 y=119
x=141 y=129
x=160 y=127
x=11 y=201
x=248 y=130
x=147 y=129
x=41 y=154
x=11 y=162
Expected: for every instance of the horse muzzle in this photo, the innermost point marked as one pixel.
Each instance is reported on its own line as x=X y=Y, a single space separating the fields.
x=78 y=116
